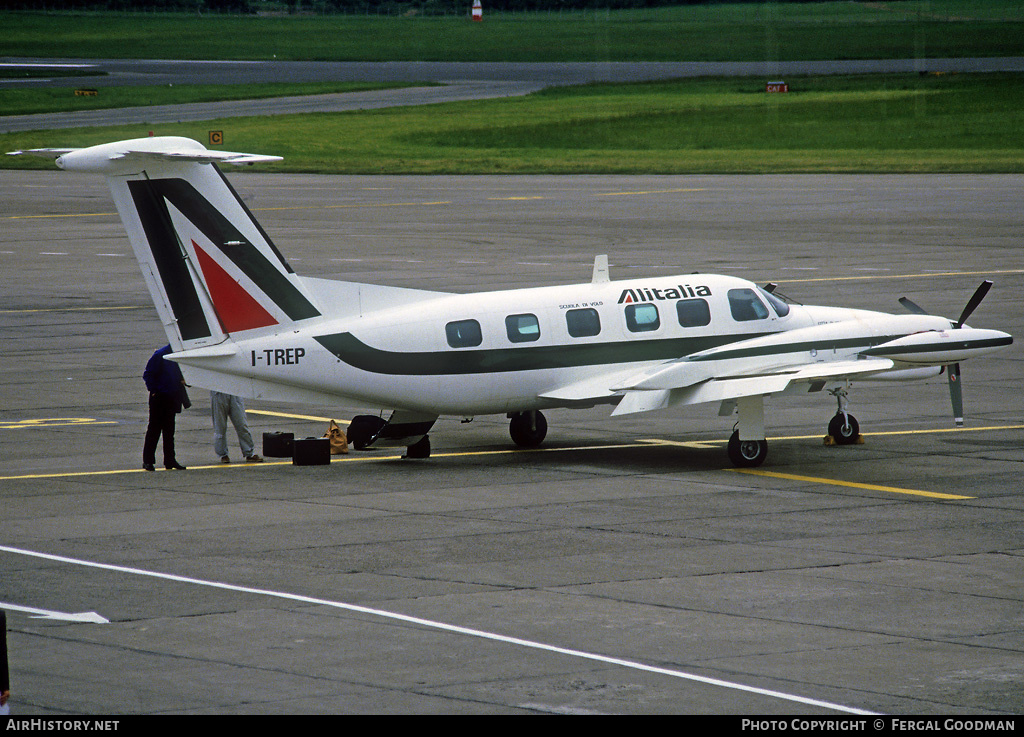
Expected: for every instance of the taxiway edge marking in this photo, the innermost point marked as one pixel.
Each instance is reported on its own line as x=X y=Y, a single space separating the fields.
x=456 y=629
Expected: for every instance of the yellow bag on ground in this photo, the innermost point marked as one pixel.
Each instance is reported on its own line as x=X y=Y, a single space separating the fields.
x=339 y=443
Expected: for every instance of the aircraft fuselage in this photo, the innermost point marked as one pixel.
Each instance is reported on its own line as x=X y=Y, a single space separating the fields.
x=526 y=349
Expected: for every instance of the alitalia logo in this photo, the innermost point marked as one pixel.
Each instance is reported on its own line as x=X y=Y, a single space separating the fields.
x=650 y=294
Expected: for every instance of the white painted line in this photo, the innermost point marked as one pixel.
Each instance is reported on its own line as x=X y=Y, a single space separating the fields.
x=448 y=628
x=90 y=617
x=47 y=65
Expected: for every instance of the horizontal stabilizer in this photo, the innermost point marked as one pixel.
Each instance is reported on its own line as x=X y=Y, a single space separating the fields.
x=224 y=350
x=46 y=153
x=128 y=157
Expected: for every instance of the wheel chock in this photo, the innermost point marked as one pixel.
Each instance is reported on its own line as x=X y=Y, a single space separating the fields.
x=829 y=440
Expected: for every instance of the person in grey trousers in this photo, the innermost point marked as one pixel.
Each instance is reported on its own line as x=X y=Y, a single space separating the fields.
x=225 y=407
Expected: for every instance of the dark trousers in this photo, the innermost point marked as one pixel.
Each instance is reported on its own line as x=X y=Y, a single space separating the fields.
x=162 y=409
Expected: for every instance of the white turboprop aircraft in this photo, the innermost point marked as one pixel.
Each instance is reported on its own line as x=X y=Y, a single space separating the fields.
x=241 y=321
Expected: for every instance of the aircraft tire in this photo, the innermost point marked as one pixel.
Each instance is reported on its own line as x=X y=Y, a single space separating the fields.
x=844 y=429
x=363 y=429
x=527 y=434
x=419 y=449
x=747 y=453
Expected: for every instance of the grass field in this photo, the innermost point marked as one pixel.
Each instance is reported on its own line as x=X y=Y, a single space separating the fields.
x=713 y=32
x=864 y=123
x=868 y=123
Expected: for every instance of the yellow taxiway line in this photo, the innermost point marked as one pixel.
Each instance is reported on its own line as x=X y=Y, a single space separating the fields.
x=700 y=444
x=848 y=484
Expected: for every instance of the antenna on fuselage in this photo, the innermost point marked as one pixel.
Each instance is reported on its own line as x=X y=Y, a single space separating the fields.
x=600 y=270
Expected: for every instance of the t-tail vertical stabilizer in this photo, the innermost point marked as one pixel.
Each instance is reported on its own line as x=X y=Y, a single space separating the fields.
x=211 y=269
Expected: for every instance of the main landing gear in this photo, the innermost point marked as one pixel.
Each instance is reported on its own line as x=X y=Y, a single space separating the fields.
x=404 y=427
x=528 y=429
x=748 y=447
x=843 y=429
x=747 y=453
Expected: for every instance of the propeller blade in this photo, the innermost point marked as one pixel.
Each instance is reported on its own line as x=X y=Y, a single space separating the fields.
x=912 y=307
x=770 y=287
x=956 y=393
x=975 y=300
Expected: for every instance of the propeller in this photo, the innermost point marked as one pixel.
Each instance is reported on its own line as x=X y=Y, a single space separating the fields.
x=912 y=307
x=956 y=395
x=975 y=300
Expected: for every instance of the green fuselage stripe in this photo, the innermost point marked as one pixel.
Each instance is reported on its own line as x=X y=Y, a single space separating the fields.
x=354 y=352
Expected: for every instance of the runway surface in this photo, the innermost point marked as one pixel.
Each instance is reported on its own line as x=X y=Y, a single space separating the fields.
x=625 y=567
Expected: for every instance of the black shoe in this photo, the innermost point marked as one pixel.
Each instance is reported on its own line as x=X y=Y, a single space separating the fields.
x=148 y=467
x=174 y=467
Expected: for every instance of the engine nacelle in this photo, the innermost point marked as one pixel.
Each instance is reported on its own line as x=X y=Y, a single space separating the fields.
x=942 y=346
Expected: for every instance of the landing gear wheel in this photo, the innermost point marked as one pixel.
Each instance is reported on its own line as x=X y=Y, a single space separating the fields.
x=528 y=429
x=844 y=428
x=747 y=453
x=419 y=449
x=363 y=430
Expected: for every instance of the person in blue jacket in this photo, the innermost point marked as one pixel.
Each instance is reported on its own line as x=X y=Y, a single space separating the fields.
x=167 y=397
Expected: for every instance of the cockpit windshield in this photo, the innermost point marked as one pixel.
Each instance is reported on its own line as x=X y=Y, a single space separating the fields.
x=780 y=307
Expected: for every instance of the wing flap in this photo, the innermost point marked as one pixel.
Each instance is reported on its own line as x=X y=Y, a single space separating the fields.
x=592 y=388
x=735 y=387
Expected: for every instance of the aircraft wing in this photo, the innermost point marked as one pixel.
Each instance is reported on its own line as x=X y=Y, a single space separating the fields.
x=658 y=392
x=675 y=383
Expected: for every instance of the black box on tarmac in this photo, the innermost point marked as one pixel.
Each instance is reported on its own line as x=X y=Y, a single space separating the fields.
x=312 y=452
x=278 y=444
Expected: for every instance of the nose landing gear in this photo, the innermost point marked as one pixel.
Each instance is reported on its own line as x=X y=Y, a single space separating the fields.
x=843 y=429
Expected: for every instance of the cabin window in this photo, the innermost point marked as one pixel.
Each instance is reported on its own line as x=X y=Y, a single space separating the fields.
x=522 y=328
x=463 y=333
x=746 y=306
x=642 y=318
x=693 y=313
x=583 y=323
x=780 y=307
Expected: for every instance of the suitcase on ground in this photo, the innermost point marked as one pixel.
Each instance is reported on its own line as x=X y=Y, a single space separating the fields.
x=312 y=452
x=278 y=444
